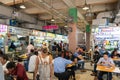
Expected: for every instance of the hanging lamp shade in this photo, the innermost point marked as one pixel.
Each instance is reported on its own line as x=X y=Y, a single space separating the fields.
x=86 y=7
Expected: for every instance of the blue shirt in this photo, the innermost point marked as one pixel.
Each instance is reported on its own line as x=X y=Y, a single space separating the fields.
x=60 y=64
x=76 y=54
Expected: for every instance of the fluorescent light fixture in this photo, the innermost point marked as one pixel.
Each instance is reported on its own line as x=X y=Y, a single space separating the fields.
x=52 y=20
x=85 y=8
x=22 y=6
x=65 y=26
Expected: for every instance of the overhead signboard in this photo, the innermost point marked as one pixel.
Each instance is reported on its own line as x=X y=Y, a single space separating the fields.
x=107 y=36
x=19 y=31
x=50 y=27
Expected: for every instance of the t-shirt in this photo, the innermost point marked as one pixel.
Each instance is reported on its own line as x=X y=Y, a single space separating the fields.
x=76 y=55
x=29 y=47
x=4 y=66
x=72 y=58
x=60 y=64
x=1 y=72
x=20 y=72
x=31 y=66
x=105 y=62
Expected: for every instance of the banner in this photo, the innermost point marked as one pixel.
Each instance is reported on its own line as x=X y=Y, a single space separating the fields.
x=73 y=14
x=88 y=28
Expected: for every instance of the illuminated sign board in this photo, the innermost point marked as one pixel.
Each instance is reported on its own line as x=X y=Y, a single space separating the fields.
x=3 y=29
x=50 y=27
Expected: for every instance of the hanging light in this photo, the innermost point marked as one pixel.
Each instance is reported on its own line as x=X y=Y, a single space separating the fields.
x=86 y=7
x=22 y=6
x=52 y=19
x=66 y=26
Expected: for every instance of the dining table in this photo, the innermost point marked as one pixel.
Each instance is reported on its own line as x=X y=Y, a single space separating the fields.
x=108 y=69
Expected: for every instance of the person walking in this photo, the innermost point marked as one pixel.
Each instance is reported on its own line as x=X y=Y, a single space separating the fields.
x=43 y=65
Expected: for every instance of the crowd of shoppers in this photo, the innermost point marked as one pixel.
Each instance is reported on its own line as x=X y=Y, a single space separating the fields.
x=60 y=62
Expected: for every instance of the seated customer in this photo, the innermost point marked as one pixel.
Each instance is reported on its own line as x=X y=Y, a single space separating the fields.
x=115 y=55
x=72 y=67
x=1 y=72
x=80 y=59
x=60 y=66
x=105 y=61
x=96 y=57
x=16 y=69
x=4 y=61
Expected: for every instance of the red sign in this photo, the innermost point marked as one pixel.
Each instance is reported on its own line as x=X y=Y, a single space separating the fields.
x=50 y=27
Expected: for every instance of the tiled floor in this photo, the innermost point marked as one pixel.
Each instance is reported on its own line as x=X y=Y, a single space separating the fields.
x=82 y=75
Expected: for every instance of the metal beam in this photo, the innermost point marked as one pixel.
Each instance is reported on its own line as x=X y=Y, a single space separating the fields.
x=70 y=4
x=7 y=11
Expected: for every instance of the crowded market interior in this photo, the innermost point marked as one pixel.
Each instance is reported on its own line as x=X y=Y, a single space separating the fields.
x=59 y=39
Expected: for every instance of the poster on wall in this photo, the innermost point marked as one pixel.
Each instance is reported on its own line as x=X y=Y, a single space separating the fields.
x=108 y=37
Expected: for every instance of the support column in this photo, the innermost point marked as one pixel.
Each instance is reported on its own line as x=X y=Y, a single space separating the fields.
x=72 y=37
x=88 y=33
x=88 y=40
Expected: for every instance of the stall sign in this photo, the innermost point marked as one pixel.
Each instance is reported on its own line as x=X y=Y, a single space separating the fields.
x=51 y=35
x=42 y=34
x=108 y=37
x=35 y=32
x=3 y=29
x=19 y=31
x=50 y=27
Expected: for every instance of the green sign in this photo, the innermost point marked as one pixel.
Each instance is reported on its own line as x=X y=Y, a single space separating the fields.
x=88 y=28
x=73 y=14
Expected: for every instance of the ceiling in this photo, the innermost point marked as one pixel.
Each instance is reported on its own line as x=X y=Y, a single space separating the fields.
x=43 y=10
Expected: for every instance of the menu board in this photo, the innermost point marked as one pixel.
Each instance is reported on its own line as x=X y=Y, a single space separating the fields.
x=3 y=29
x=38 y=33
x=108 y=37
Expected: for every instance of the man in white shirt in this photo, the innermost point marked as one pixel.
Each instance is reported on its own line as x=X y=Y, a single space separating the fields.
x=31 y=66
x=30 y=47
x=4 y=61
x=1 y=72
x=105 y=61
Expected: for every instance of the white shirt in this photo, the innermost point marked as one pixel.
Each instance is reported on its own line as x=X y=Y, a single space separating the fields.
x=31 y=66
x=4 y=66
x=29 y=47
x=1 y=72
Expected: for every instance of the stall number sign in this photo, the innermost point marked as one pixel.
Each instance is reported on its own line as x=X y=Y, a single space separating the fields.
x=3 y=29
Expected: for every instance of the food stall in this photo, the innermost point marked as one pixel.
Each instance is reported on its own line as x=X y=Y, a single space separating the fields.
x=37 y=38
x=65 y=39
x=109 y=37
x=20 y=37
x=3 y=35
x=58 y=38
